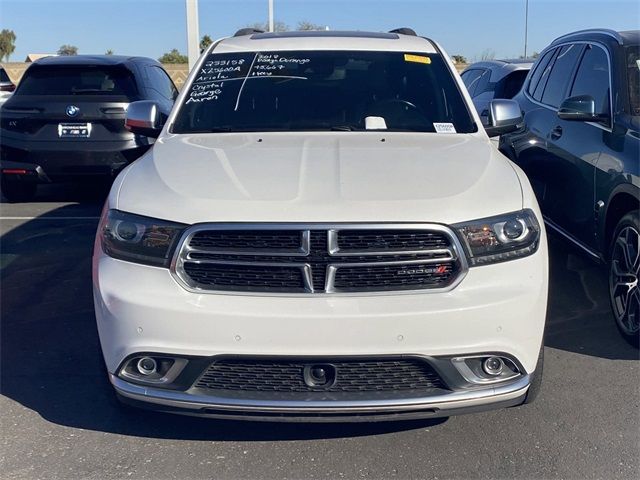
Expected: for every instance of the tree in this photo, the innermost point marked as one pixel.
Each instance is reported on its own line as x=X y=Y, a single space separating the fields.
x=304 y=25
x=534 y=55
x=277 y=26
x=174 y=56
x=7 y=43
x=459 y=59
x=205 y=42
x=109 y=52
x=488 y=54
x=68 y=50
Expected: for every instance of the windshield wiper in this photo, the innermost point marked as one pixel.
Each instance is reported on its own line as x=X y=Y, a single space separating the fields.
x=220 y=129
x=342 y=128
x=80 y=91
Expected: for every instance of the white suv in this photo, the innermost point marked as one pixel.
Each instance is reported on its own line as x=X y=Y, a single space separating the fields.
x=322 y=231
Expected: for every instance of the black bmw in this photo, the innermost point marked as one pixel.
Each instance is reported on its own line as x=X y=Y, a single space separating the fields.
x=65 y=120
x=580 y=146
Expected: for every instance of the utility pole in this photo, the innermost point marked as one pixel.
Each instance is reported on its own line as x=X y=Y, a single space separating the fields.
x=193 y=34
x=526 y=25
x=271 y=15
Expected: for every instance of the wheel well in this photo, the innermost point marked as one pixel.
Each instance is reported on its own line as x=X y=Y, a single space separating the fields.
x=620 y=205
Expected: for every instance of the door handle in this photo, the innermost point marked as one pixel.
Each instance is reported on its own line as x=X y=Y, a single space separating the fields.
x=556 y=133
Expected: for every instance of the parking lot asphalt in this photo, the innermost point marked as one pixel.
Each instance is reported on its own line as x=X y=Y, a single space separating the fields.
x=59 y=417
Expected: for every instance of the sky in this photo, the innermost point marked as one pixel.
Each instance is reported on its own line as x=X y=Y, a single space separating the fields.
x=153 y=27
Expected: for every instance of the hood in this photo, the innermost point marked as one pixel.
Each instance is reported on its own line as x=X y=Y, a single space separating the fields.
x=320 y=177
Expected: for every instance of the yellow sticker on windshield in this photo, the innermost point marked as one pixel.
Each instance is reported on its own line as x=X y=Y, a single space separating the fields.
x=416 y=58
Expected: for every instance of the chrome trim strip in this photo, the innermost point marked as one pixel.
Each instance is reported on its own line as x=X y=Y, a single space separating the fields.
x=456 y=253
x=448 y=401
x=469 y=376
x=559 y=230
x=170 y=376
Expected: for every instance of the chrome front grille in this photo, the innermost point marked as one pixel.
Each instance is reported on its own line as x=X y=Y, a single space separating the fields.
x=318 y=259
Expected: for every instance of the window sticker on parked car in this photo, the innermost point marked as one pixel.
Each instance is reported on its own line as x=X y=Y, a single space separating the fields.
x=444 y=128
x=416 y=58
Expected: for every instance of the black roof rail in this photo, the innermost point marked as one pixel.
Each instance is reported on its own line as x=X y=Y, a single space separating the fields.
x=600 y=31
x=247 y=31
x=404 y=31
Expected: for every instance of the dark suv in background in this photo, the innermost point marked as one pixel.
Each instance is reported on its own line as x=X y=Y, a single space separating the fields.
x=580 y=148
x=66 y=119
x=492 y=79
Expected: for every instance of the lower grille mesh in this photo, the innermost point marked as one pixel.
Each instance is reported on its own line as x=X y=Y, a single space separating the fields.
x=351 y=376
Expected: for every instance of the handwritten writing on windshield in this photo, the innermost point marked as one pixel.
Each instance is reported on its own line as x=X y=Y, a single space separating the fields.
x=210 y=82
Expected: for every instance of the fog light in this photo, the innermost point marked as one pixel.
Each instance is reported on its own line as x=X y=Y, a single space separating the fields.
x=493 y=366
x=147 y=366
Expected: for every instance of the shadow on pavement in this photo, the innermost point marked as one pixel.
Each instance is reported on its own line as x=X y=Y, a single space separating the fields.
x=579 y=315
x=50 y=353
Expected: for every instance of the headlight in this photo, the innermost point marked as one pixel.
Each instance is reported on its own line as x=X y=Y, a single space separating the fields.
x=501 y=238
x=138 y=239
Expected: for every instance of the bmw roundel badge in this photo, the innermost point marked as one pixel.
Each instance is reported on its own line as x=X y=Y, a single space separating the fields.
x=72 y=110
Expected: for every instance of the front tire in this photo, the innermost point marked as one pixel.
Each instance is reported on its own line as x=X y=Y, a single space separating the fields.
x=624 y=266
x=18 y=190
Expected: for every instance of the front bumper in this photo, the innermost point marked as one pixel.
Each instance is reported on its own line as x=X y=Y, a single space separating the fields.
x=455 y=403
x=496 y=308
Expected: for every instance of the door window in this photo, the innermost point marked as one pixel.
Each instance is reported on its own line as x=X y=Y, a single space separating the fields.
x=593 y=78
x=563 y=66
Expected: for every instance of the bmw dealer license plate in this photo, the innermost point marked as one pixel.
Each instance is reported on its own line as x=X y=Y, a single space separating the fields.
x=74 y=130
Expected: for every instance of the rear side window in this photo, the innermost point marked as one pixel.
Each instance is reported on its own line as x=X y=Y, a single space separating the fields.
x=512 y=83
x=541 y=70
x=632 y=54
x=3 y=76
x=565 y=62
x=78 y=80
x=592 y=78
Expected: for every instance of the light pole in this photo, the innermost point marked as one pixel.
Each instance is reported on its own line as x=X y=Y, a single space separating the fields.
x=271 y=15
x=193 y=35
x=526 y=25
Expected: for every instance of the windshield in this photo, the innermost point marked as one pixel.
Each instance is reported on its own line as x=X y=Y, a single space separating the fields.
x=633 y=71
x=77 y=80
x=323 y=90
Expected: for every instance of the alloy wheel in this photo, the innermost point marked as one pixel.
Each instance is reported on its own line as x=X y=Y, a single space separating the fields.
x=623 y=280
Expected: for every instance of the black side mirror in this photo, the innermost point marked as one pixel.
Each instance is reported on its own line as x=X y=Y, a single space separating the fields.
x=504 y=117
x=144 y=118
x=581 y=108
